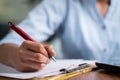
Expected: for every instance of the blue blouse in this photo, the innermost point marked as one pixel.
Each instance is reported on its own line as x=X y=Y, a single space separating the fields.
x=83 y=31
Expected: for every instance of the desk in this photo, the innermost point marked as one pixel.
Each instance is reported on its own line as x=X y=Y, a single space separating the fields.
x=94 y=75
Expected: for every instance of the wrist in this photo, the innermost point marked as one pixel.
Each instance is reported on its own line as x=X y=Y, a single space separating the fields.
x=7 y=55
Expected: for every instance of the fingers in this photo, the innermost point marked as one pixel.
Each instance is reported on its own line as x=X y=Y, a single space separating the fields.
x=33 y=56
x=50 y=50
x=35 y=47
x=26 y=56
x=30 y=61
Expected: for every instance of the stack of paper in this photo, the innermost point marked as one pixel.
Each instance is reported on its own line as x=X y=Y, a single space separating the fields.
x=51 y=69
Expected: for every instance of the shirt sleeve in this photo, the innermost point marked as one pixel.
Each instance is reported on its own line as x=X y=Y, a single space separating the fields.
x=41 y=22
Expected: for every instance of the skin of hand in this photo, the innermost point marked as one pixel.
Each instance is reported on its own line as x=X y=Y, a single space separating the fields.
x=32 y=56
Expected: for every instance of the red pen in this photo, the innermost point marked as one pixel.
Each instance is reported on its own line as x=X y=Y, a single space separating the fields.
x=24 y=35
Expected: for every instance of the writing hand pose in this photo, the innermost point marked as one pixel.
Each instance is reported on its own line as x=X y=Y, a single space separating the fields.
x=30 y=56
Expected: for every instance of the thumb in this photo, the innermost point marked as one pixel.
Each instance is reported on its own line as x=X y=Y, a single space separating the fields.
x=50 y=50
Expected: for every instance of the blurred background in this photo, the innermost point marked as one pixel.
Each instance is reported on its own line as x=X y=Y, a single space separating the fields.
x=16 y=11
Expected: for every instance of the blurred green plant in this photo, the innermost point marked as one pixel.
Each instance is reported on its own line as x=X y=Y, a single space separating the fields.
x=15 y=10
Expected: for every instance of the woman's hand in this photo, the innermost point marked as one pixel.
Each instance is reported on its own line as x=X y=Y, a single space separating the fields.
x=32 y=56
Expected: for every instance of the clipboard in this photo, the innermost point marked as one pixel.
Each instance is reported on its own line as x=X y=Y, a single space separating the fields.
x=68 y=73
x=51 y=70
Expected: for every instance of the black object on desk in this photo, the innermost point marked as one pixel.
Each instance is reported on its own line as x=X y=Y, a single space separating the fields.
x=108 y=67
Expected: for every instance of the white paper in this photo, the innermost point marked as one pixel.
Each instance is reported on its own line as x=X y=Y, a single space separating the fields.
x=51 y=69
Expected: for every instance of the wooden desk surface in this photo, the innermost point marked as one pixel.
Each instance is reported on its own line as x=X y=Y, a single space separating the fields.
x=94 y=75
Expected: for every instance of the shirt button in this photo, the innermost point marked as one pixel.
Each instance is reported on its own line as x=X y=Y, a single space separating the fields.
x=104 y=27
x=104 y=50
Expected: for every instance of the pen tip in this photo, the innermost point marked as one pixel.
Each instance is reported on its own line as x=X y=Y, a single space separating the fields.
x=53 y=59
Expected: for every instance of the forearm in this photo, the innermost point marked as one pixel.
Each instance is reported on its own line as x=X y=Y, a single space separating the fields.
x=7 y=52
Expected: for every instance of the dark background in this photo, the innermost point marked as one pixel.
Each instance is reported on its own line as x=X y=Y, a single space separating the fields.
x=15 y=11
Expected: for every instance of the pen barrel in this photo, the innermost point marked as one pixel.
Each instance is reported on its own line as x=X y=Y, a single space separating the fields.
x=21 y=32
